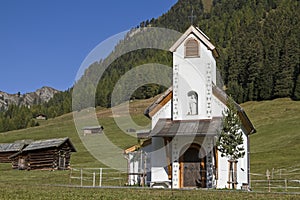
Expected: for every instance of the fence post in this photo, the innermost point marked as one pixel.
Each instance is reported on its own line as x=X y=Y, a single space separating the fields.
x=280 y=173
x=285 y=184
x=100 y=177
x=268 y=178
x=120 y=178
x=94 y=179
x=70 y=176
x=81 y=184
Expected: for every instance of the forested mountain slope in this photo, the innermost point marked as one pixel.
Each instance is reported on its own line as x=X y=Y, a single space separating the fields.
x=258 y=42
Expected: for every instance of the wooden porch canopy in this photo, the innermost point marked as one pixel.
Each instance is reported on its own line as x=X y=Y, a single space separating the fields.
x=171 y=128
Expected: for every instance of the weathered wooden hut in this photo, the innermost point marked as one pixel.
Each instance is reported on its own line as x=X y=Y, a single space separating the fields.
x=92 y=130
x=8 y=149
x=51 y=154
x=41 y=117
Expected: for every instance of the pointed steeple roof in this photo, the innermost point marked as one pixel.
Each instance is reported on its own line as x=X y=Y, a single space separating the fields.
x=200 y=35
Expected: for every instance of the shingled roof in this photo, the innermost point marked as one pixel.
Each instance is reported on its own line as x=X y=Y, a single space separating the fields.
x=171 y=128
x=247 y=124
x=11 y=147
x=44 y=144
x=159 y=103
x=200 y=35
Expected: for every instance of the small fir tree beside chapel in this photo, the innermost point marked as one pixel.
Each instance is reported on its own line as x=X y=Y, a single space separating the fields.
x=230 y=141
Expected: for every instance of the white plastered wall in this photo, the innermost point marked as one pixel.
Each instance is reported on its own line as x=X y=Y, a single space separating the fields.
x=163 y=113
x=242 y=169
x=159 y=172
x=192 y=74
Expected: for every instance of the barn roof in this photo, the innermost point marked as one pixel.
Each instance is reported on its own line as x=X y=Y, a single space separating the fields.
x=200 y=35
x=11 y=147
x=92 y=127
x=171 y=128
x=44 y=144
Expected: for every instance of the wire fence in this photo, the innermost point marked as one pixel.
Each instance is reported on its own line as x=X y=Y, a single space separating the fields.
x=277 y=180
x=97 y=177
x=274 y=180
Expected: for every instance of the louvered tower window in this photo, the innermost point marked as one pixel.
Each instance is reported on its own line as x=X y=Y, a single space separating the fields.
x=192 y=48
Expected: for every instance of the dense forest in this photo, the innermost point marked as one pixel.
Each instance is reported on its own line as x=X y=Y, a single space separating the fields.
x=258 y=42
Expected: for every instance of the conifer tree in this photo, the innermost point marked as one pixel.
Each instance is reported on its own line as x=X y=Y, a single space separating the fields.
x=230 y=140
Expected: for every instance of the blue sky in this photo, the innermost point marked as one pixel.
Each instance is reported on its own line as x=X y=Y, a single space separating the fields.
x=43 y=43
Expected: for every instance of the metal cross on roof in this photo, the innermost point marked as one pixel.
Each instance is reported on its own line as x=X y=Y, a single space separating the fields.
x=192 y=17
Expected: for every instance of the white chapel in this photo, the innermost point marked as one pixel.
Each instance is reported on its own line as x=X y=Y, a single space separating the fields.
x=180 y=149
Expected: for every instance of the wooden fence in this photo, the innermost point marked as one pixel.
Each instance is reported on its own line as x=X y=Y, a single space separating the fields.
x=277 y=180
x=97 y=177
x=274 y=180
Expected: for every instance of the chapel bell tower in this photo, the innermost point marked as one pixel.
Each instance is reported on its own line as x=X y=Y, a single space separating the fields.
x=194 y=73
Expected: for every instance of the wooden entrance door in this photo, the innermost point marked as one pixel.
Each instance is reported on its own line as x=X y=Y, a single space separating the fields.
x=193 y=169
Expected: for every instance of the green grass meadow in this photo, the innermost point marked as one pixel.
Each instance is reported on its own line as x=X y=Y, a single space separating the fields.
x=275 y=147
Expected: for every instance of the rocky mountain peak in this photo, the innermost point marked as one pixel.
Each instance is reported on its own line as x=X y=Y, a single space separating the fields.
x=41 y=95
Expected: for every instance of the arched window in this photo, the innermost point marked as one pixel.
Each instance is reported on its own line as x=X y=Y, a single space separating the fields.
x=192 y=103
x=192 y=48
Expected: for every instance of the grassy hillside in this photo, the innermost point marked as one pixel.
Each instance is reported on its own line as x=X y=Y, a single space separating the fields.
x=275 y=145
x=277 y=141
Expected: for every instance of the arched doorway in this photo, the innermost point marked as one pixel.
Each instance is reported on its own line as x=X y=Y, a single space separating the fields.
x=192 y=168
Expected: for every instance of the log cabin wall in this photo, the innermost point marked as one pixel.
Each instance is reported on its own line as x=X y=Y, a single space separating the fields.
x=64 y=157
x=42 y=159
x=4 y=157
x=53 y=154
x=52 y=159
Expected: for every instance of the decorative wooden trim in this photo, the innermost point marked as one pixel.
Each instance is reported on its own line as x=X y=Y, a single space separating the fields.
x=199 y=34
x=192 y=48
x=180 y=174
x=163 y=102
x=216 y=162
x=168 y=155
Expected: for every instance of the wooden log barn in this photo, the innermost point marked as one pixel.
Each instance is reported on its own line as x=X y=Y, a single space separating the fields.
x=51 y=154
x=8 y=149
x=92 y=130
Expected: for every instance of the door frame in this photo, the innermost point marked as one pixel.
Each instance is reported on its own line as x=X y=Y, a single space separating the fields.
x=181 y=162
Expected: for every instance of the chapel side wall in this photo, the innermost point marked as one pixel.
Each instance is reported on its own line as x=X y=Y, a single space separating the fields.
x=242 y=165
x=147 y=156
x=242 y=169
x=163 y=113
x=132 y=179
x=157 y=167
x=159 y=163
x=218 y=107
